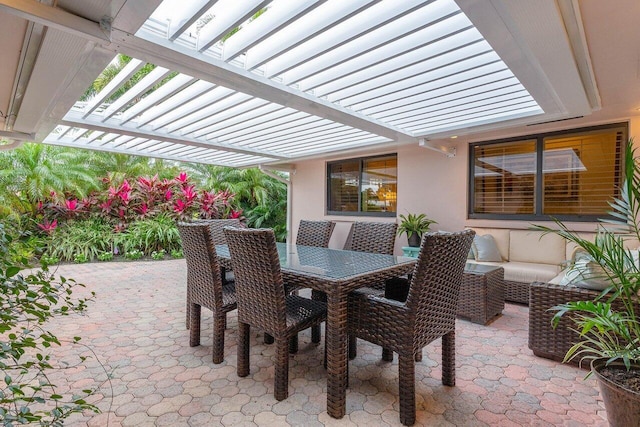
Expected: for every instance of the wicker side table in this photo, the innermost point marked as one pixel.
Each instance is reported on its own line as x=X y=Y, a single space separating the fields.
x=481 y=293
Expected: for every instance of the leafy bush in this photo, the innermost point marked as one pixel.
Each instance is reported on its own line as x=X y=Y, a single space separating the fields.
x=80 y=259
x=105 y=256
x=151 y=235
x=49 y=260
x=27 y=302
x=158 y=255
x=177 y=253
x=133 y=254
x=87 y=238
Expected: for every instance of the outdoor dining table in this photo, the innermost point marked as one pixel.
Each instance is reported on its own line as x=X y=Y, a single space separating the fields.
x=336 y=273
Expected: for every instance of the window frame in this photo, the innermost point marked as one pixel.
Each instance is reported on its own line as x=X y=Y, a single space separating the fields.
x=361 y=161
x=538 y=192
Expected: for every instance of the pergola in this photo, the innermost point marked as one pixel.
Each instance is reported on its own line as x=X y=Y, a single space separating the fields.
x=271 y=82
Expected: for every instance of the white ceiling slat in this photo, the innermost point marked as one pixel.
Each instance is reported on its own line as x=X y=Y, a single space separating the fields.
x=239 y=103
x=248 y=124
x=416 y=47
x=323 y=18
x=201 y=116
x=329 y=131
x=195 y=104
x=491 y=72
x=252 y=108
x=229 y=14
x=155 y=76
x=171 y=103
x=186 y=15
x=167 y=90
x=429 y=56
x=477 y=92
x=125 y=74
x=407 y=77
x=464 y=108
x=279 y=15
x=121 y=140
x=485 y=63
x=335 y=144
x=73 y=119
x=268 y=126
x=360 y=24
x=302 y=129
x=431 y=14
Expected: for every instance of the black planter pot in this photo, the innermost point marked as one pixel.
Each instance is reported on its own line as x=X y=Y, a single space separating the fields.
x=414 y=240
x=622 y=404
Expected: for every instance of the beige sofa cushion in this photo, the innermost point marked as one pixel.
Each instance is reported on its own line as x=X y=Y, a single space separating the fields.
x=528 y=246
x=525 y=272
x=501 y=237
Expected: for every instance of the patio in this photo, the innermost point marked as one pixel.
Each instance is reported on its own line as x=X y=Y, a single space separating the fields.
x=136 y=328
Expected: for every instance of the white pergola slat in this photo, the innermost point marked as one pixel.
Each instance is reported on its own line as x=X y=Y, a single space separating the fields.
x=260 y=82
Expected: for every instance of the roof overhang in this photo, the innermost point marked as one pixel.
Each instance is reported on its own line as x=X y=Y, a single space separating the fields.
x=303 y=80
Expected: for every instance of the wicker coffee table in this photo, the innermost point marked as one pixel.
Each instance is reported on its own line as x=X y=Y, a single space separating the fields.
x=481 y=293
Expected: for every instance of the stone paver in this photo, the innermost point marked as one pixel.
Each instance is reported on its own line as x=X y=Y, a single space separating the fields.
x=147 y=374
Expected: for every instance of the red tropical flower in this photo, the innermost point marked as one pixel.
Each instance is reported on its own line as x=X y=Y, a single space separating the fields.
x=179 y=206
x=235 y=214
x=71 y=204
x=168 y=195
x=47 y=226
x=182 y=177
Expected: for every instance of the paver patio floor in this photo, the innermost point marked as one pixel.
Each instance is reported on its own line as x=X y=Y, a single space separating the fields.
x=136 y=327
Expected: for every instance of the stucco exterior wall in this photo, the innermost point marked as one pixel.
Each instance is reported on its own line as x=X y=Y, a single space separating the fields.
x=428 y=182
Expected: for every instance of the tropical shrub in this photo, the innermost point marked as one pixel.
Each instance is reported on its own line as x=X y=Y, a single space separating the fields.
x=153 y=235
x=158 y=255
x=27 y=302
x=105 y=256
x=177 y=253
x=85 y=238
x=133 y=254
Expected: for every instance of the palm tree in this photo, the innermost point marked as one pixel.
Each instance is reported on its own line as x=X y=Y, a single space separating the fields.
x=117 y=167
x=33 y=172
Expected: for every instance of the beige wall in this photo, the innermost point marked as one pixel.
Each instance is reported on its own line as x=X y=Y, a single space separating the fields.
x=428 y=182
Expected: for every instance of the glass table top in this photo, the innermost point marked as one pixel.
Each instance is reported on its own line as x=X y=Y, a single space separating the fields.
x=329 y=263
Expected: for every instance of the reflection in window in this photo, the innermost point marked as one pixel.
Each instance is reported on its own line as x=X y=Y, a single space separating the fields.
x=577 y=175
x=366 y=185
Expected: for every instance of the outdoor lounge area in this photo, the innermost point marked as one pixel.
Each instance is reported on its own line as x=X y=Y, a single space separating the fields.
x=136 y=329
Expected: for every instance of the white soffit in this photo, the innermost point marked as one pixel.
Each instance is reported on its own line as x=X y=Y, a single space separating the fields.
x=298 y=79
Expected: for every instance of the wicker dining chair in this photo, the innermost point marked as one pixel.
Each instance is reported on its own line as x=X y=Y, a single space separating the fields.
x=217 y=235
x=315 y=233
x=263 y=302
x=372 y=237
x=204 y=285
x=428 y=313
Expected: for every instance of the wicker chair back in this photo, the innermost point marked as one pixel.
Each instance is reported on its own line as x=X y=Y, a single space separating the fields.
x=259 y=286
x=315 y=233
x=217 y=225
x=374 y=237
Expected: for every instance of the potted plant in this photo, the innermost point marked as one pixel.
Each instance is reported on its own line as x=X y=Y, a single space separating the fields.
x=609 y=326
x=414 y=226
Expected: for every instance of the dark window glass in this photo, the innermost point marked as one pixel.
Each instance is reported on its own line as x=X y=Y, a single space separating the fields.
x=567 y=175
x=363 y=186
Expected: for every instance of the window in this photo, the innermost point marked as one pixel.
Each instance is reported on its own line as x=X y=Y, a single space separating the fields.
x=568 y=175
x=364 y=186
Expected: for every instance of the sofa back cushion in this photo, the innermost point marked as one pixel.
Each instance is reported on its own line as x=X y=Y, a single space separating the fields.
x=500 y=236
x=534 y=247
x=629 y=243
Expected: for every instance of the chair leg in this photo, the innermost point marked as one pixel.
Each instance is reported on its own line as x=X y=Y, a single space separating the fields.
x=353 y=346
x=407 y=386
x=387 y=355
x=293 y=344
x=418 y=357
x=219 y=321
x=449 y=359
x=194 y=325
x=268 y=339
x=315 y=334
x=281 y=381
x=243 y=349
x=188 y=310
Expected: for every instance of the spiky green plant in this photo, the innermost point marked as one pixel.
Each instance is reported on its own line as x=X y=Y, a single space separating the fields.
x=609 y=326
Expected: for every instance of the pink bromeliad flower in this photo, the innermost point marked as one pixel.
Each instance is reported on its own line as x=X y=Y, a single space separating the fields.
x=168 y=195
x=143 y=209
x=189 y=193
x=179 y=206
x=47 y=226
x=125 y=187
x=182 y=177
x=71 y=204
x=235 y=214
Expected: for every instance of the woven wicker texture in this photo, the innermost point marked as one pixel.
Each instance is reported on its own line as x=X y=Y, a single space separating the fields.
x=544 y=340
x=204 y=285
x=428 y=313
x=263 y=302
x=315 y=233
x=372 y=237
x=482 y=294
x=516 y=292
